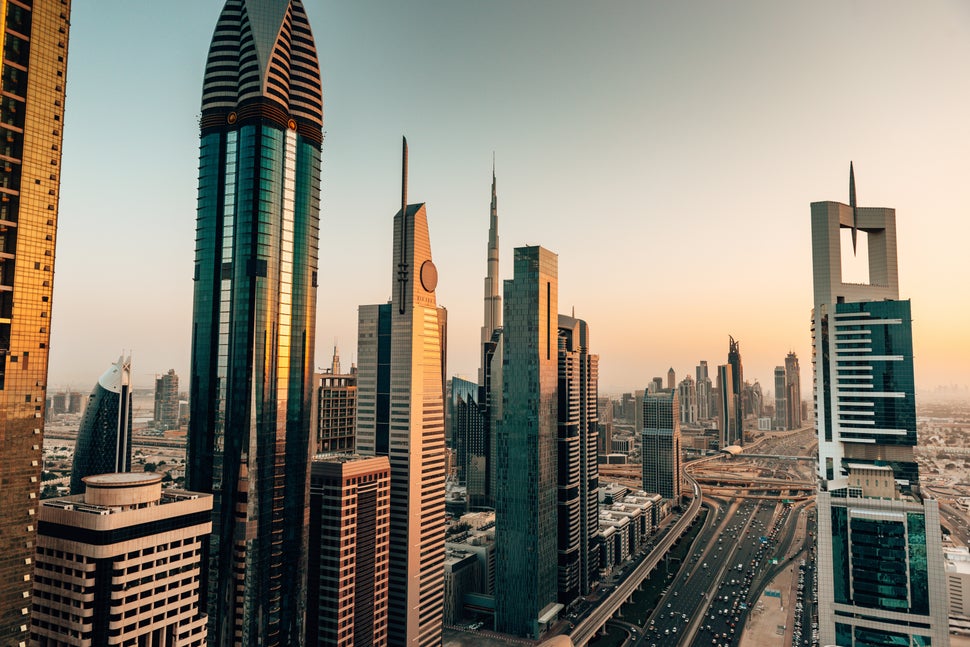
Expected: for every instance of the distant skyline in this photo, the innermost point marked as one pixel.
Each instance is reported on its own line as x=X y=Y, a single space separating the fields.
x=668 y=153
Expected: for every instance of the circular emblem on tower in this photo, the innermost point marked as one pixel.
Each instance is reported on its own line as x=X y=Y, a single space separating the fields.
x=429 y=276
x=231 y=118
x=292 y=124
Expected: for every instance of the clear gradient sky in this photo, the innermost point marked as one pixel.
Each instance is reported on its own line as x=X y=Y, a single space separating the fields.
x=667 y=151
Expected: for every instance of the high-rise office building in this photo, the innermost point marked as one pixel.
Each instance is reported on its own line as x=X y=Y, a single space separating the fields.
x=726 y=407
x=704 y=396
x=333 y=408
x=578 y=492
x=167 y=400
x=660 y=446
x=120 y=565
x=400 y=414
x=254 y=317
x=33 y=67
x=671 y=379
x=468 y=438
x=737 y=388
x=880 y=562
x=781 y=398
x=348 y=557
x=104 y=437
x=604 y=424
x=687 y=396
x=492 y=319
x=793 y=392
x=526 y=456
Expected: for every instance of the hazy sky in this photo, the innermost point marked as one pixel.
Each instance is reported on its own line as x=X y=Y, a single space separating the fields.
x=667 y=151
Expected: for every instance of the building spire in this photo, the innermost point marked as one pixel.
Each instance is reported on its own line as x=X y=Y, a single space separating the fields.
x=402 y=264
x=493 y=299
x=852 y=203
x=335 y=364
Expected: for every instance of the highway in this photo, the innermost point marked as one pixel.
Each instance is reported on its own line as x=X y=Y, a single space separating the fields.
x=592 y=623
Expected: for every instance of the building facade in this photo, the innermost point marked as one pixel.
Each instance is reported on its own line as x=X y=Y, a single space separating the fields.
x=781 y=398
x=737 y=389
x=334 y=408
x=104 y=436
x=526 y=457
x=793 y=392
x=578 y=492
x=33 y=67
x=401 y=415
x=254 y=317
x=350 y=502
x=880 y=564
x=727 y=407
x=660 y=447
x=687 y=396
x=167 y=400
x=125 y=558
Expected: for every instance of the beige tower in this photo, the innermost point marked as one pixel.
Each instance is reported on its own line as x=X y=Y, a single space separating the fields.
x=125 y=559
x=401 y=415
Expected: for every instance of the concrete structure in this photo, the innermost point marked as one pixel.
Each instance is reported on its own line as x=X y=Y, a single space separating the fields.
x=705 y=410
x=660 y=447
x=167 y=400
x=671 y=379
x=880 y=562
x=104 y=436
x=120 y=564
x=462 y=575
x=793 y=392
x=526 y=457
x=577 y=498
x=254 y=314
x=492 y=319
x=348 y=555
x=333 y=408
x=957 y=567
x=400 y=414
x=33 y=67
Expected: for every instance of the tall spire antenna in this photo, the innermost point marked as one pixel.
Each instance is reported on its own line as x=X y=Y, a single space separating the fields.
x=402 y=264
x=852 y=203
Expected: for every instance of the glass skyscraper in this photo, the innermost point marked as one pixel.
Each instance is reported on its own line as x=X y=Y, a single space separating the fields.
x=660 y=446
x=253 y=317
x=881 y=578
x=526 y=453
x=33 y=39
x=104 y=437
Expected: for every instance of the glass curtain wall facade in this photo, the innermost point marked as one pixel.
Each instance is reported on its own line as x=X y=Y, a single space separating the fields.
x=660 y=446
x=34 y=43
x=526 y=452
x=104 y=437
x=254 y=317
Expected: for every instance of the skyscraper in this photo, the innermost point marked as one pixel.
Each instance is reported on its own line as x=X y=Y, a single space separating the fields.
x=400 y=414
x=254 y=317
x=526 y=456
x=578 y=493
x=119 y=564
x=104 y=437
x=737 y=388
x=492 y=320
x=793 y=392
x=671 y=379
x=348 y=559
x=704 y=387
x=33 y=68
x=468 y=439
x=334 y=408
x=781 y=398
x=687 y=395
x=660 y=446
x=167 y=400
x=880 y=560
x=727 y=409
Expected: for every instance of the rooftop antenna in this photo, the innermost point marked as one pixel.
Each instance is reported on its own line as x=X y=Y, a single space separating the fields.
x=402 y=265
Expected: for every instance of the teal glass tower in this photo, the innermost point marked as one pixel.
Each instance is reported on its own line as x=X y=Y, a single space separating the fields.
x=526 y=485
x=253 y=318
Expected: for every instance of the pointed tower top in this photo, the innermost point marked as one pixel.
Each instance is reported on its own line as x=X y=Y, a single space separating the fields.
x=404 y=175
x=335 y=365
x=852 y=203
